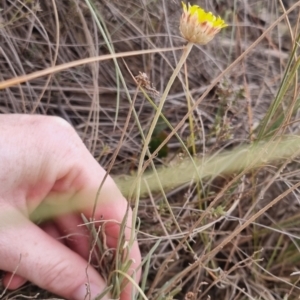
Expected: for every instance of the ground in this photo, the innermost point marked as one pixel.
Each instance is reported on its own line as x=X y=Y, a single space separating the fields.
x=211 y=235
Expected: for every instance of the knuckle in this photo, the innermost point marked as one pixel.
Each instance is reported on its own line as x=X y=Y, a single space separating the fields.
x=60 y=131
x=59 y=276
x=59 y=126
x=55 y=137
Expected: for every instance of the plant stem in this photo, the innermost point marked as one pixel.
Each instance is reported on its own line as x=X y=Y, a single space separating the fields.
x=137 y=183
x=165 y=94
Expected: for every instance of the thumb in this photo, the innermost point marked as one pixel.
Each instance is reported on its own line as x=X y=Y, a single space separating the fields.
x=39 y=258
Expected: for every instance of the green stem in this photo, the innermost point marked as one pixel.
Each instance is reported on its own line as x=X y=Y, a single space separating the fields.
x=182 y=60
x=147 y=140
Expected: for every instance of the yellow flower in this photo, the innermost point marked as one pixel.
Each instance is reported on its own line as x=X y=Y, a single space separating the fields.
x=198 y=26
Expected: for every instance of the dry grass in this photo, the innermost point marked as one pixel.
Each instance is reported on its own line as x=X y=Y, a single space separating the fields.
x=237 y=250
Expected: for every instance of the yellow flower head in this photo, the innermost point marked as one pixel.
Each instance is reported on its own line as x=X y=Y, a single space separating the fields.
x=198 y=26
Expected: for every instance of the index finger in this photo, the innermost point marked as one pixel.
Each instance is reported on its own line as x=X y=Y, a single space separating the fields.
x=113 y=210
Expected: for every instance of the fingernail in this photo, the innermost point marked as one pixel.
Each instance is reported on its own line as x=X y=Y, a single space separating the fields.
x=89 y=292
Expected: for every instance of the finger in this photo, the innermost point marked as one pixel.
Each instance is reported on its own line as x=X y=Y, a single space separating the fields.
x=13 y=281
x=36 y=256
x=51 y=229
x=79 y=237
x=108 y=208
x=112 y=206
x=112 y=232
x=75 y=235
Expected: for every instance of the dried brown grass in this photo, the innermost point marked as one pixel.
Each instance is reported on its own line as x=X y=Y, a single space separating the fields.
x=258 y=262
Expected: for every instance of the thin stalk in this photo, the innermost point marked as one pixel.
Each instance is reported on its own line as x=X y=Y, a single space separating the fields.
x=165 y=94
x=105 y=34
x=147 y=140
x=192 y=141
x=281 y=92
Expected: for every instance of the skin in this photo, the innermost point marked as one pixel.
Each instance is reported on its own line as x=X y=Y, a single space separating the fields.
x=43 y=159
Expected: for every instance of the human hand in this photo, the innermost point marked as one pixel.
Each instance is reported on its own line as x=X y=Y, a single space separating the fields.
x=42 y=157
